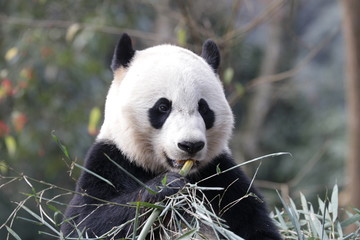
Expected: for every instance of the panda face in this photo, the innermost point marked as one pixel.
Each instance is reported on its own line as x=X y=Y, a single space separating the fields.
x=167 y=106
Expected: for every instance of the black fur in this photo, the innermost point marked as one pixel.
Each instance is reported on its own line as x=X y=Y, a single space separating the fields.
x=91 y=212
x=123 y=54
x=206 y=113
x=210 y=52
x=159 y=113
x=95 y=215
x=248 y=218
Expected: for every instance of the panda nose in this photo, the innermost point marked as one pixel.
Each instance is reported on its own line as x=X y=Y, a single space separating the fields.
x=191 y=147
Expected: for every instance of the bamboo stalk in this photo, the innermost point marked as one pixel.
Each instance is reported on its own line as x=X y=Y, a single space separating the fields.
x=145 y=230
x=152 y=218
x=186 y=168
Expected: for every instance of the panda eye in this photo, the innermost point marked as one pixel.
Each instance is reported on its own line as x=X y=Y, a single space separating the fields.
x=164 y=108
x=206 y=113
x=159 y=112
x=203 y=108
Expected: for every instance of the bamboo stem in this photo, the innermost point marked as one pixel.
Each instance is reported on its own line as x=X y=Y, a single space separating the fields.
x=152 y=218
x=145 y=230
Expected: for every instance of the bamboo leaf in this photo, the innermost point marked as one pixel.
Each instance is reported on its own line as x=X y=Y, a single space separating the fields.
x=350 y=220
x=247 y=162
x=188 y=235
x=228 y=75
x=148 y=205
x=14 y=234
x=62 y=147
x=164 y=180
x=218 y=169
x=281 y=219
x=181 y=36
x=292 y=217
x=41 y=220
x=130 y=175
x=10 y=144
x=94 y=174
x=334 y=203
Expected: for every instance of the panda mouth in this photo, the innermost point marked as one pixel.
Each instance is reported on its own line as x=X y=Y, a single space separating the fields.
x=179 y=163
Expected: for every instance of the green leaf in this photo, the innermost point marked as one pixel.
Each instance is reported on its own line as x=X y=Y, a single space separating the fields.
x=290 y=211
x=11 y=54
x=146 y=204
x=13 y=233
x=340 y=231
x=218 y=170
x=281 y=219
x=53 y=208
x=10 y=145
x=350 y=220
x=3 y=167
x=228 y=75
x=48 y=234
x=62 y=147
x=58 y=217
x=71 y=31
x=247 y=162
x=94 y=174
x=240 y=90
x=164 y=180
x=304 y=205
x=333 y=208
x=94 y=119
x=130 y=175
x=188 y=235
x=40 y=219
x=181 y=36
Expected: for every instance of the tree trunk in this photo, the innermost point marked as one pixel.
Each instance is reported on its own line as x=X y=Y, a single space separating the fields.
x=164 y=24
x=351 y=26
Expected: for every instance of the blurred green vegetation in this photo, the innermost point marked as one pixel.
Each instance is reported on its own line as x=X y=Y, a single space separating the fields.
x=54 y=75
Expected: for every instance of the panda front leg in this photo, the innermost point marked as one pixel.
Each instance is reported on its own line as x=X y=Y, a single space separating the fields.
x=94 y=218
x=240 y=204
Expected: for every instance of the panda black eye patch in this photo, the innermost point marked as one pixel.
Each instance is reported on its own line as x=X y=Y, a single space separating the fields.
x=159 y=113
x=206 y=113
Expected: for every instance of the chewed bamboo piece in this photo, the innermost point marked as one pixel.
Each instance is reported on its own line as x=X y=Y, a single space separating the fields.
x=186 y=168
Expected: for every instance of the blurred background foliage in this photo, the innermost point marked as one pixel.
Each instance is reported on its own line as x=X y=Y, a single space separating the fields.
x=282 y=68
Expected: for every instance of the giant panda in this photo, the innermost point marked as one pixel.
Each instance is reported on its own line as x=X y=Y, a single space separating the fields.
x=165 y=105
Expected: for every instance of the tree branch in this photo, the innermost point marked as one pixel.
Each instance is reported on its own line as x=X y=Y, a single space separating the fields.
x=268 y=12
x=233 y=98
x=45 y=23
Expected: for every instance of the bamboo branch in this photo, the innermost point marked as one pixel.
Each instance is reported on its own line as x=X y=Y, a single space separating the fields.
x=150 y=221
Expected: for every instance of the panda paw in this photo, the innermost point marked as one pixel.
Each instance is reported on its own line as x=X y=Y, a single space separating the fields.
x=167 y=184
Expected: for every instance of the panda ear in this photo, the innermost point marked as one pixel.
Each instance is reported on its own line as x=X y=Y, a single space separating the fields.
x=210 y=52
x=123 y=54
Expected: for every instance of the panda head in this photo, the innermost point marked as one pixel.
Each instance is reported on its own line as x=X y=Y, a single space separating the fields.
x=166 y=105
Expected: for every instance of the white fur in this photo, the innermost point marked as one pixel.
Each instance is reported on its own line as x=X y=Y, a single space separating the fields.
x=184 y=78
